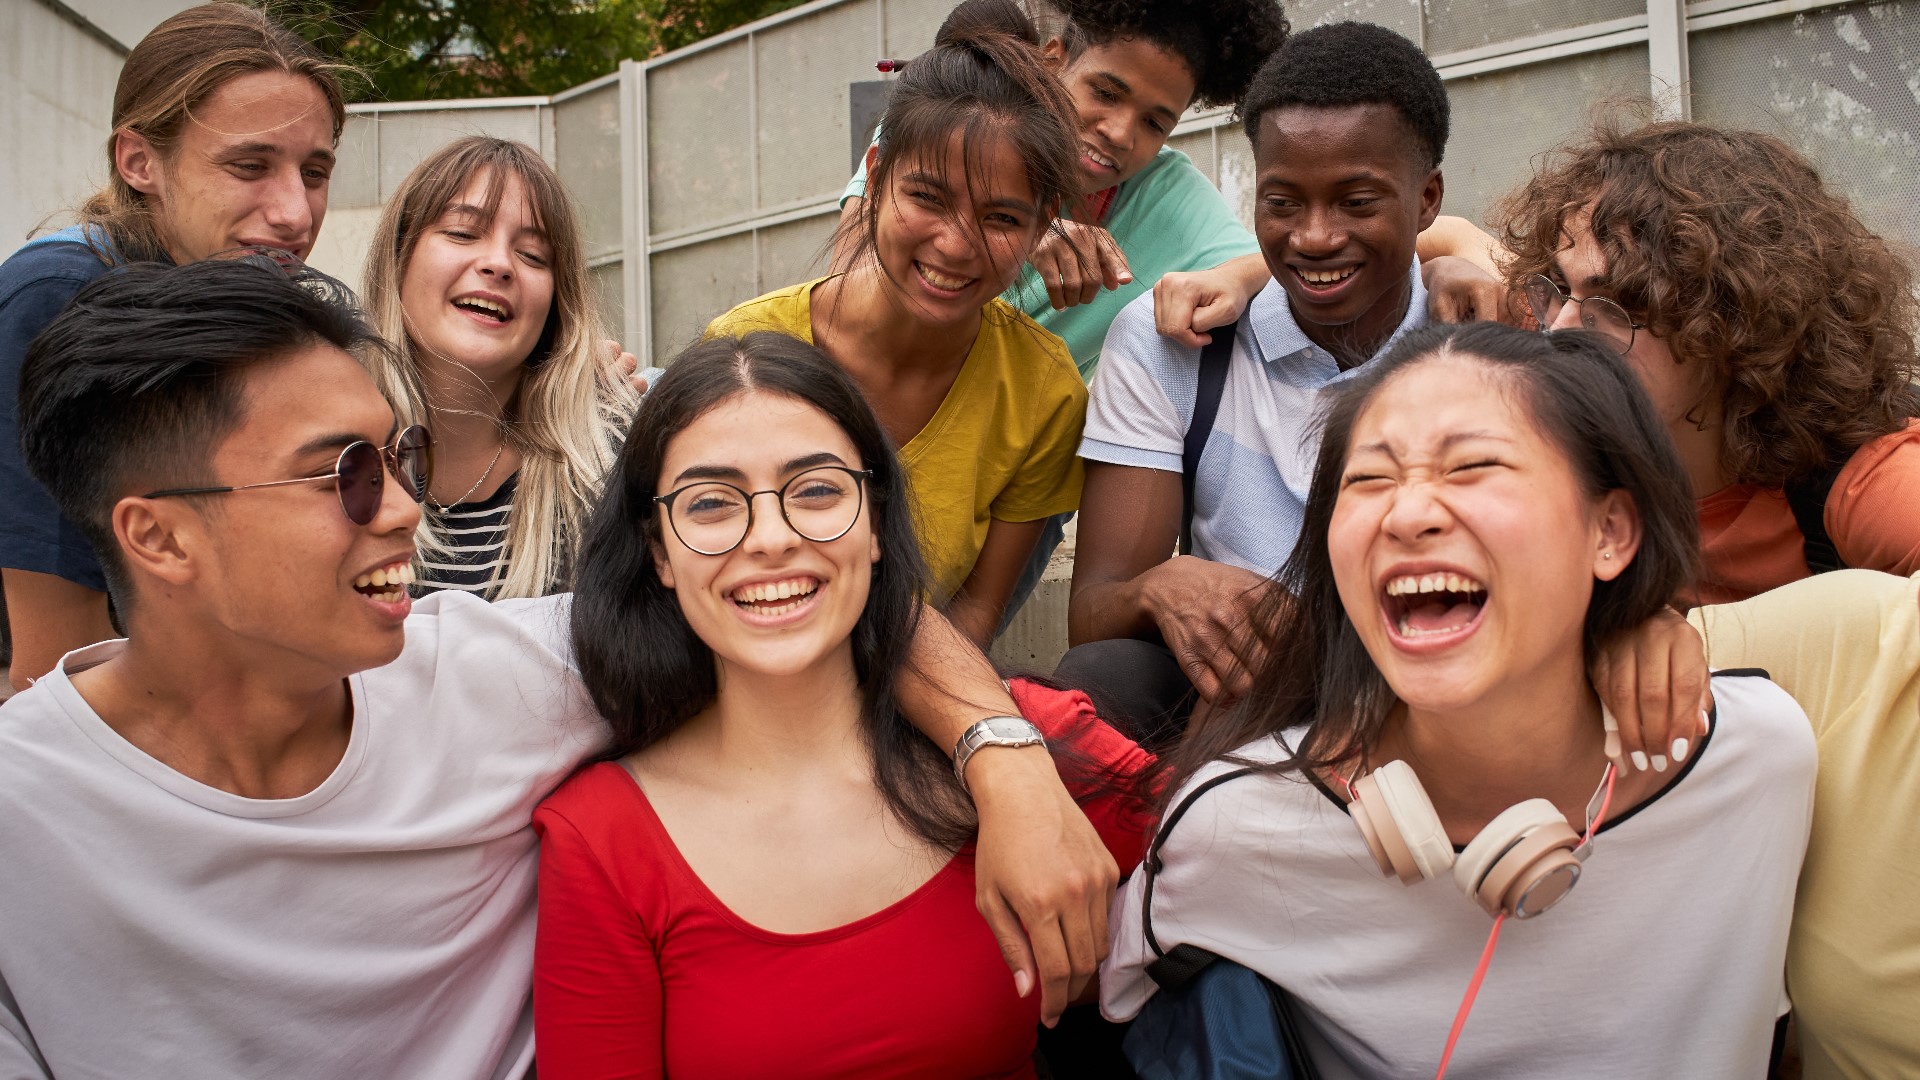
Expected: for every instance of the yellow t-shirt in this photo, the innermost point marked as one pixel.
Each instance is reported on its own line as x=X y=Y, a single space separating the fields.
x=1847 y=646
x=1001 y=445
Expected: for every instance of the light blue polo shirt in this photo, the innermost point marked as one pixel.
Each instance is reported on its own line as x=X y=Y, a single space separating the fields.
x=1250 y=494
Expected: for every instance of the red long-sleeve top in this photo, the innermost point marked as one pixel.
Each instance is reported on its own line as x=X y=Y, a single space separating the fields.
x=640 y=971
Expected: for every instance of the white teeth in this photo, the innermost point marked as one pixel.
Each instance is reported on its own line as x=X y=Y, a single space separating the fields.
x=941 y=281
x=774 y=590
x=1327 y=277
x=487 y=306
x=1426 y=583
x=397 y=574
x=1100 y=159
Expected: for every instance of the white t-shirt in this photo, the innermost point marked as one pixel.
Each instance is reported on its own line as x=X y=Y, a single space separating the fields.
x=1666 y=960
x=380 y=925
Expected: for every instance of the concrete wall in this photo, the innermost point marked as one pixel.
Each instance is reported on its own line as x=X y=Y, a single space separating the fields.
x=58 y=64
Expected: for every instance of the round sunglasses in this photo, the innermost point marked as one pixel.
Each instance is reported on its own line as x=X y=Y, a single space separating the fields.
x=359 y=474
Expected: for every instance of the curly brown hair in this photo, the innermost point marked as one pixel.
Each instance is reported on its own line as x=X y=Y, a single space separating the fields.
x=1731 y=249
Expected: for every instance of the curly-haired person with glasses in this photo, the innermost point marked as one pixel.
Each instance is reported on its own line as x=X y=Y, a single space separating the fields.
x=1773 y=330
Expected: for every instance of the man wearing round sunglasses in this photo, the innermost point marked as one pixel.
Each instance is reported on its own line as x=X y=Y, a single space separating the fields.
x=284 y=827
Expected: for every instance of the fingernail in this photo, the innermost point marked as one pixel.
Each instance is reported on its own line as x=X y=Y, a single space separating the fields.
x=1705 y=722
x=1639 y=760
x=1659 y=763
x=1680 y=748
x=1022 y=983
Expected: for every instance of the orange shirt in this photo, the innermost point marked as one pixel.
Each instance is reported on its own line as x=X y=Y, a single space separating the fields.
x=1749 y=542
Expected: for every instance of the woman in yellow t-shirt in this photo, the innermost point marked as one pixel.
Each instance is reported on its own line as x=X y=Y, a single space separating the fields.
x=984 y=405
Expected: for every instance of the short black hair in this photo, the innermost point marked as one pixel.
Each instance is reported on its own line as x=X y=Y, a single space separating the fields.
x=1353 y=63
x=132 y=386
x=1222 y=42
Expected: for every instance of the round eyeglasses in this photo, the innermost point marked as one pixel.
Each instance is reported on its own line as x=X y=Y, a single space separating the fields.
x=359 y=475
x=1597 y=313
x=712 y=517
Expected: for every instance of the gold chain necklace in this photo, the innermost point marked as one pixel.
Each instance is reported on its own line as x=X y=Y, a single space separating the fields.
x=442 y=507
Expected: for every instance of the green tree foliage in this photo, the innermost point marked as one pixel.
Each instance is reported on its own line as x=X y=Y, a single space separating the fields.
x=418 y=49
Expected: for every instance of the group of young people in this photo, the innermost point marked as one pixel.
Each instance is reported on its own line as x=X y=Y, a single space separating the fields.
x=424 y=611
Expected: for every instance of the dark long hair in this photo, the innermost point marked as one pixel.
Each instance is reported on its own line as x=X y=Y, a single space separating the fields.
x=646 y=669
x=1583 y=398
x=984 y=79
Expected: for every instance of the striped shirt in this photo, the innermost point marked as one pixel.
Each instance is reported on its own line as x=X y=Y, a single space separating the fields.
x=476 y=538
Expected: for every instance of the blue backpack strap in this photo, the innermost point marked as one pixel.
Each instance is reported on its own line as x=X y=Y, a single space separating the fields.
x=1214 y=356
x=90 y=235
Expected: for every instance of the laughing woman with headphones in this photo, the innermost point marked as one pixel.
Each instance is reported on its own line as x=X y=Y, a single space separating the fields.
x=1490 y=507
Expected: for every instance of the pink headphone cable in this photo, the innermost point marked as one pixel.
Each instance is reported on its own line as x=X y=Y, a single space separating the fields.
x=1493 y=939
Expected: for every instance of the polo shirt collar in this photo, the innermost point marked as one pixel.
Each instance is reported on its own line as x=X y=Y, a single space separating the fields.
x=1279 y=336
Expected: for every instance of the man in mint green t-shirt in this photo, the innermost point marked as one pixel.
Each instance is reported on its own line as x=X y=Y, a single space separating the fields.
x=1147 y=218
x=1145 y=211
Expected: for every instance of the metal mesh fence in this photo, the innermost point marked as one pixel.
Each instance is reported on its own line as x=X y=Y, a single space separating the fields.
x=1458 y=25
x=700 y=140
x=1842 y=86
x=747 y=139
x=1502 y=121
x=586 y=150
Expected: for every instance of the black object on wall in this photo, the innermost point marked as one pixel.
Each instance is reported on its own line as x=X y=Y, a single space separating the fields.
x=866 y=103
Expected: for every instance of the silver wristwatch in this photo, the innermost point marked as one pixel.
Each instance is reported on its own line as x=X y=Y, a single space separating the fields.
x=993 y=731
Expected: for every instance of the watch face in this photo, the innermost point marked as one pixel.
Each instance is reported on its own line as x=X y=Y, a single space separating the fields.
x=1007 y=727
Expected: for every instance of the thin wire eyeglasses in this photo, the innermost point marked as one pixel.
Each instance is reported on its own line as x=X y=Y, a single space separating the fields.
x=1597 y=313
x=359 y=474
x=714 y=517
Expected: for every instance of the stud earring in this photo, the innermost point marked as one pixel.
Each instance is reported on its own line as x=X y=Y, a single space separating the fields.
x=1606 y=554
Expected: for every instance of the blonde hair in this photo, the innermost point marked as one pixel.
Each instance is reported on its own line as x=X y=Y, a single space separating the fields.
x=571 y=409
x=169 y=74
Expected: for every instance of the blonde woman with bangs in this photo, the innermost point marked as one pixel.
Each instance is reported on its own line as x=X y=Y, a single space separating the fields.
x=478 y=275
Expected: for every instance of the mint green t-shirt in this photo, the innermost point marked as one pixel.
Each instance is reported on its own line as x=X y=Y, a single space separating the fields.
x=1167 y=219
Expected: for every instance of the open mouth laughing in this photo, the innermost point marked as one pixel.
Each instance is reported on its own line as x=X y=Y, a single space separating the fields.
x=387 y=585
x=1324 y=282
x=1432 y=606
x=485 y=307
x=1101 y=162
x=774 y=599
x=942 y=283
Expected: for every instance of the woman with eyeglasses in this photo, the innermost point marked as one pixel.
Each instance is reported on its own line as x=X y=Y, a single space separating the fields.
x=770 y=873
x=1773 y=330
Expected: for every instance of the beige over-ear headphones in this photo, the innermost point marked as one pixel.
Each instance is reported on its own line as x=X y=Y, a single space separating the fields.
x=1525 y=861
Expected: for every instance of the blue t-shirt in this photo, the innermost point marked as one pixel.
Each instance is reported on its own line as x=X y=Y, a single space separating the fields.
x=35 y=286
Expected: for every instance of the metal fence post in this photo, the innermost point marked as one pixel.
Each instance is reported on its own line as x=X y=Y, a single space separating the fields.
x=1667 y=58
x=635 y=264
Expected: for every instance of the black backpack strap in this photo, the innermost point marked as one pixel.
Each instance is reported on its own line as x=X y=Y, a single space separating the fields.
x=1214 y=356
x=1807 y=498
x=1151 y=867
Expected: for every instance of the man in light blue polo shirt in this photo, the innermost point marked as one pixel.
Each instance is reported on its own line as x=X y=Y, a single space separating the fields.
x=1348 y=123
